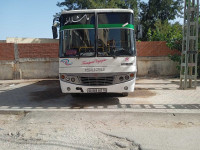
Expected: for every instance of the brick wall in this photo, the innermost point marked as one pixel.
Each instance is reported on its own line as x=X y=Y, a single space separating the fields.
x=43 y=50
x=11 y=68
x=6 y=51
x=154 y=48
x=50 y=50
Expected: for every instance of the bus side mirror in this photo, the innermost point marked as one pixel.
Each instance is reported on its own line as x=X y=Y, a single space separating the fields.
x=54 y=31
x=139 y=32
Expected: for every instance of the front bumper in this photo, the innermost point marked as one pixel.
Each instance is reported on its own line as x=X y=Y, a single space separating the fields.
x=116 y=88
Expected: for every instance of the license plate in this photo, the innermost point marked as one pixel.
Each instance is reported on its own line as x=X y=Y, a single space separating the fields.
x=104 y=90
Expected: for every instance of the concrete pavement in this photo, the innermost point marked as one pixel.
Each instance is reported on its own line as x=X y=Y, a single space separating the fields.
x=36 y=115
x=151 y=95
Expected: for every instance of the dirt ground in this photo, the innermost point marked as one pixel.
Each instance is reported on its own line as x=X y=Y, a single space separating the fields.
x=99 y=130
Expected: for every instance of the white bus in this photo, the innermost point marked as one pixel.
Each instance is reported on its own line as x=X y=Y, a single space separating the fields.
x=97 y=51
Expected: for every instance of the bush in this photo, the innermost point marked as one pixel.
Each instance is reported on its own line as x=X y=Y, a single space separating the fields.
x=172 y=34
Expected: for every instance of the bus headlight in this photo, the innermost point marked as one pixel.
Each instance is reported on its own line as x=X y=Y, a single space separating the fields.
x=127 y=77
x=69 y=78
x=73 y=79
x=124 y=78
x=121 y=78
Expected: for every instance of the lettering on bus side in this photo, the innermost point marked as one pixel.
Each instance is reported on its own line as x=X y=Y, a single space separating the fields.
x=94 y=69
x=94 y=61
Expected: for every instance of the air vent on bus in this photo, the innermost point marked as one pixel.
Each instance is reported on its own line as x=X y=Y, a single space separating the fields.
x=97 y=81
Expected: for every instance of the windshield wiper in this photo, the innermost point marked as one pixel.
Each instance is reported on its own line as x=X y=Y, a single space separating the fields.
x=79 y=55
x=114 y=56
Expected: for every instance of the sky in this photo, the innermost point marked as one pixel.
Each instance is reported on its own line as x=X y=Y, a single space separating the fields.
x=27 y=18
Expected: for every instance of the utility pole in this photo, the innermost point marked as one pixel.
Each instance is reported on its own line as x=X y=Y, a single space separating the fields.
x=189 y=55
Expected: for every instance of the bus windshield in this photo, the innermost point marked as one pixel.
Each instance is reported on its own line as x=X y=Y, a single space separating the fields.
x=79 y=43
x=115 y=35
x=78 y=35
x=114 y=42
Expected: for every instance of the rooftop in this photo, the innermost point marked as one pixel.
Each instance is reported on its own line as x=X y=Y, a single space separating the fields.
x=98 y=10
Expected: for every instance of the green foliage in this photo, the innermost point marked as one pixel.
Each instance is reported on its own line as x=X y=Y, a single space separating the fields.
x=176 y=58
x=176 y=43
x=158 y=10
x=171 y=33
x=95 y=4
x=166 y=31
x=91 y=4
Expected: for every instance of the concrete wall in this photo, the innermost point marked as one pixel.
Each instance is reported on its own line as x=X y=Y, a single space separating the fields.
x=31 y=40
x=48 y=68
x=27 y=61
x=32 y=61
x=34 y=69
x=39 y=68
x=156 y=66
x=6 y=70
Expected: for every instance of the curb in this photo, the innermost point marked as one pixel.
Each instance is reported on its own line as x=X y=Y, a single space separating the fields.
x=25 y=111
x=13 y=112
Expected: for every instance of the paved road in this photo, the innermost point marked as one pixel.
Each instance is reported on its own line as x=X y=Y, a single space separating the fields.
x=150 y=94
x=35 y=115
x=99 y=130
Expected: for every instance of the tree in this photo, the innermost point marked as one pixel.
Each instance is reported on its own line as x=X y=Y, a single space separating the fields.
x=94 y=4
x=165 y=31
x=171 y=33
x=158 y=9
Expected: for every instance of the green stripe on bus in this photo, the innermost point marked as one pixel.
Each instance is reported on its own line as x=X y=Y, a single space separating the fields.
x=78 y=26
x=116 y=26
x=91 y=26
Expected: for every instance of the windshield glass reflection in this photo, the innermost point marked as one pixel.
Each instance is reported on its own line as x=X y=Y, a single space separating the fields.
x=79 y=43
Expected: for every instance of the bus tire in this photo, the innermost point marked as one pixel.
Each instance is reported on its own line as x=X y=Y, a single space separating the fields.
x=125 y=94
x=75 y=94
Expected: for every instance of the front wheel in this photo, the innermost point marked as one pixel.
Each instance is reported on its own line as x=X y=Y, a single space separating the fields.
x=75 y=94
x=125 y=94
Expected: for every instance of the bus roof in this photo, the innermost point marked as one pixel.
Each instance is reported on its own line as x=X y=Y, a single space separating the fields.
x=97 y=11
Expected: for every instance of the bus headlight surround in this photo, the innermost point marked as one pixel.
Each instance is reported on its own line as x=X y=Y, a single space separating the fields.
x=73 y=79
x=121 y=78
x=69 y=78
x=127 y=77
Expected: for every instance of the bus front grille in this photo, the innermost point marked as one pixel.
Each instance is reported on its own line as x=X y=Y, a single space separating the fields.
x=97 y=81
